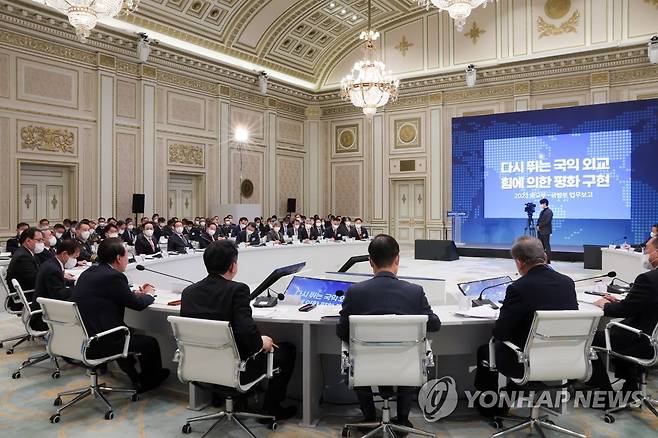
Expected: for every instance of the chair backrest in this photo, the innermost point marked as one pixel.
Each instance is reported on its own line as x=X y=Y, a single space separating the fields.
x=558 y=345
x=8 y=296
x=68 y=336
x=28 y=314
x=207 y=351
x=387 y=350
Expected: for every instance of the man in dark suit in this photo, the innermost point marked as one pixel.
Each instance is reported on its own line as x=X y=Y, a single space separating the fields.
x=208 y=236
x=333 y=232
x=359 y=232
x=295 y=232
x=145 y=242
x=318 y=230
x=385 y=294
x=177 y=241
x=102 y=295
x=249 y=235
x=275 y=234
x=24 y=264
x=129 y=235
x=52 y=282
x=50 y=244
x=219 y=298
x=639 y=310
x=82 y=235
x=13 y=243
x=345 y=226
x=545 y=227
x=539 y=288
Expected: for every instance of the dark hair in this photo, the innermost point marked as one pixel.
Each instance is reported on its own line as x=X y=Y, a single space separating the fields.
x=108 y=227
x=252 y=225
x=654 y=226
x=68 y=246
x=58 y=227
x=109 y=249
x=219 y=256
x=243 y=219
x=22 y=224
x=383 y=250
x=119 y=223
x=44 y=220
x=543 y=201
x=29 y=233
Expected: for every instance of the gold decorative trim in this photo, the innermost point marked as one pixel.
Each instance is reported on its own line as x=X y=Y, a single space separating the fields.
x=271 y=102
x=475 y=32
x=521 y=88
x=186 y=82
x=127 y=67
x=245 y=96
x=187 y=154
x=347 y=139
x=149 y=72
x=47 y=48
x=560 y=84
x=635 y=74
x=47 y=139
x=403 y=46
x=224 y=90
x=436 y=98
x=652 y=2
x=407 y=133
x=569 y=26
x=107 y=61
x=600 y=78
x=479 y=93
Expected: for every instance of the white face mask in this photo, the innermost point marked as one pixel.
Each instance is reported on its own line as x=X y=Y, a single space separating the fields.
x=110 y=235
x=70 y=263
x=52 y=241
x=334 y=226
x=318 y=224
x=242 y=226
x=131 y=227
x=227 y=223
x=277 y=229
x=58 y=235
x=203 y=224
x=85 y=235
x=39 y=247
x=358 y=226
x=307 y=226
x=148 y=233
x=295 y=226
x=652 y=234
x=101 y=224
x=646 y=264
x=211 y=232
x=179 y=230
x=348 y=223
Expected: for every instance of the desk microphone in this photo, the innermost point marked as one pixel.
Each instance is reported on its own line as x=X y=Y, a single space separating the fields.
x=611 y=274
x=481 y=301
x=339 y=293
x=144 y=268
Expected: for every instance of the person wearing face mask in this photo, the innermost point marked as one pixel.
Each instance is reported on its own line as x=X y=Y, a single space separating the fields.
x=318 y=230
x=640 y=311
x=345 y=226
x=538 y=288
x=52 y=281
x=100 y=227
x=111 y=231
x=295 y=231
x=146 y=243
x=359 y=232
x=59 y=232
x=49 y=243
x=652 y=234
x=177 y=241
x=14 y=242
x=82 y=234
x=209 y=236
x=24 y=265
x=250 y=235
x=333 y=232
x=275 y=234
x=129 y=234
x=227 y=228
x=242 y=224
x=197 y=229
x=306 y=230
x=102 y=295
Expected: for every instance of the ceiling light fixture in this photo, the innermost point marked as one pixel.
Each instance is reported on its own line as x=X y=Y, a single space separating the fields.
x=369 y=86
x=459 y=10
x=84 y=14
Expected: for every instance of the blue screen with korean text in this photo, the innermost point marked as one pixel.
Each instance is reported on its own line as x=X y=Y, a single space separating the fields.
x=317 y=291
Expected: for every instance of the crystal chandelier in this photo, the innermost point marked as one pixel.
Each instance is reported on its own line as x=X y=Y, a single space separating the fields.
x=369 y=85
x=83 y=14
x=459 y=10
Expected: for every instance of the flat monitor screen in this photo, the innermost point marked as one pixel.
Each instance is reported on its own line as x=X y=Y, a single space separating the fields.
x=318 y=291
x=496 y=292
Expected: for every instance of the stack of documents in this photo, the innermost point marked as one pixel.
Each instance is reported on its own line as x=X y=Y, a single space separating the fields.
x=486 y=312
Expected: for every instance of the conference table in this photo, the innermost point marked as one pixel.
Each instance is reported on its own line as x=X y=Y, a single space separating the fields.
x=313 y=333
x=627 y=264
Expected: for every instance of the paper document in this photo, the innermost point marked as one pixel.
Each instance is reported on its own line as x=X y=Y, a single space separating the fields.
x=479 y=312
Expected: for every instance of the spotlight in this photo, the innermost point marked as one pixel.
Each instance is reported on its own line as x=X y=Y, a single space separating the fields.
x=653 y=50
x=262 y=82
x=241 y=135
x=143 y=47
x=471 y=75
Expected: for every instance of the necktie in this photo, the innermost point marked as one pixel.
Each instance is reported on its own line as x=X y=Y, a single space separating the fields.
x=151 y=243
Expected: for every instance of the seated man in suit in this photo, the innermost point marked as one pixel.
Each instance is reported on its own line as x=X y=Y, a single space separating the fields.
x=111 y=231
x=177 y=241
x=82 y=234
x=295 y=232
x=317 y=231
x=308 y=230
x=129 y=235
x=208 y=236
x=539 y=288
x=333 y=232
x=145 y=242
x=24 y=264
x=13 y=243
x=219 y=298
x=639 y=310
x=345 y=227
x=52 y=282
x=102 y=295
x=249 y=235
x=275 y=234
x=359 y=232
x=385 y=294
x=50 y=243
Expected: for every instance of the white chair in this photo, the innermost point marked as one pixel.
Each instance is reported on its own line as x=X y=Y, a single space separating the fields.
x=69 y=338
x=646 y=400
x=207 y=354
x=558 y=348
x=30 y=320
x=12 y=306
x=386 y=350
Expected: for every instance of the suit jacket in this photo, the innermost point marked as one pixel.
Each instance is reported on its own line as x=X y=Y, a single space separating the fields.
x=273 y=236
x=195 y=233
x=545 y=221
x=129 y=236
x=329 y=233
x=344 y=230
x=301 y=233
x=384 y=294
x=220 y=299
x=541 y=288
x=45 y=255
x=640 y=307
x=178 y=243
x=24 y=267
x=12 y=245
x=68 y=234
x=361 y=234
x=86 y=253
x=226 y=230
x=50 y=282
x=102 y=295
x=142 y=245
x=316 y=233
x=206 y=239
x=254 y=238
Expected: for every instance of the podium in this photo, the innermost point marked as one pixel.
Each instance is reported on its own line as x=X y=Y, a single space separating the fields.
x=457 y=218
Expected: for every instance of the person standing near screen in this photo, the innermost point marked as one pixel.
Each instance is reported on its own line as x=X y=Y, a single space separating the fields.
x=545 y=227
